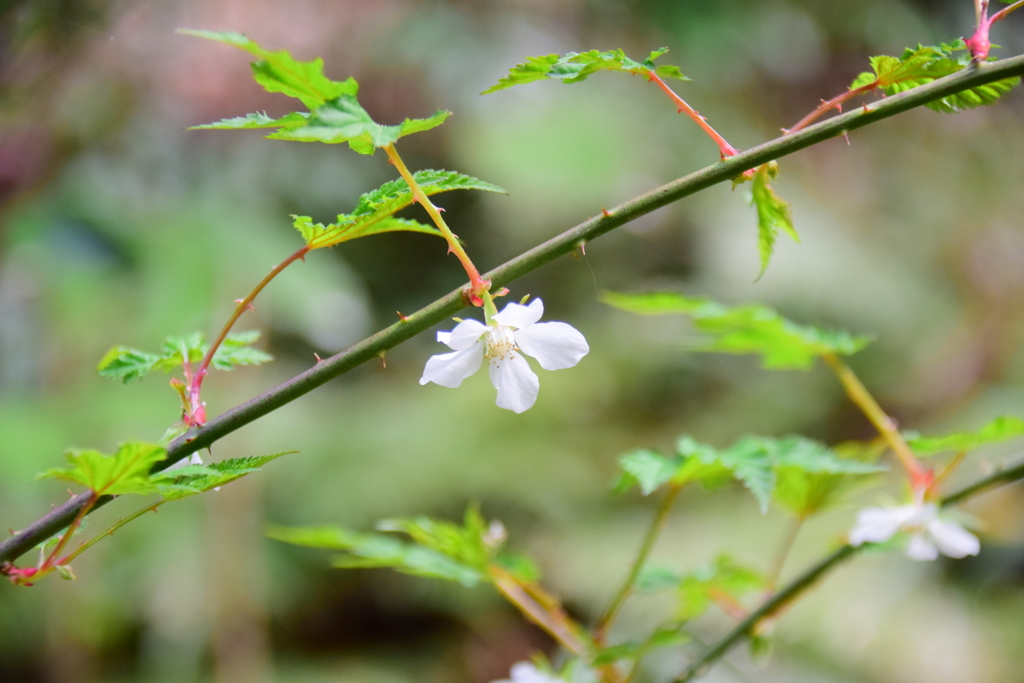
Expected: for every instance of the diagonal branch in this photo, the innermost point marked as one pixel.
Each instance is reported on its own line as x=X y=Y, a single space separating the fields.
x=788 y=595
x=567 y=242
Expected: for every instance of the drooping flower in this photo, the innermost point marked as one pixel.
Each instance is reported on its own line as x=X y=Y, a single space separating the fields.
x=527 y=672
x=515 y=332
x=929 y=535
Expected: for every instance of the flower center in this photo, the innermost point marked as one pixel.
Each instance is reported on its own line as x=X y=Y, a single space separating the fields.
x=501 y=344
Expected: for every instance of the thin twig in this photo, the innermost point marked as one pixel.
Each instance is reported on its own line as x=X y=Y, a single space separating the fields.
x=561 y=245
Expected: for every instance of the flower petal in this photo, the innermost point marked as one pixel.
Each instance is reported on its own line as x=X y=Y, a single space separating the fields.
x=875 y=525
x=556 y=346
x=921 y=549
x=516 y=384
x=519 y=316
x=449 y=369
x=953 y=540
x=465 y=334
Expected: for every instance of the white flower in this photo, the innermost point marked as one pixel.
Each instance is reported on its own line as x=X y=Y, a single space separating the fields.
x=556 y=346
x=929 y=535
x=525 y=672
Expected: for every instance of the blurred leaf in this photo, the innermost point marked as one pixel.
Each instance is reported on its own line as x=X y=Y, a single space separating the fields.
x=804 y=492
x=379 y=550
x=724 y=579
x=762 y=648
x=654 y=579
x=464 y=543
x=648 y=469
x=633 y=651
x=773 y=213
x=574 y=67
x=745 y=329
x=279 y=72
x=373 y=212
x=196 y=479
x=236 y=349
x=126 y=364
x=999 y=429
x=127 y=471
x=521 y=567
x=256 y=120
x=924 y=64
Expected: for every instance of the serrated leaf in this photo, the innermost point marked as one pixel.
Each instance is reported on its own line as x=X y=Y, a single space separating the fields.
x=373 y=212
x=379 y=550
x=193 y=480
x=178 y=350
x=649 y=469
x=574 y=67
x=773 y=213
x=279 y=72
x=236 y=349
x=999 y=429
x=781 y=343
x=724 y=578
x=256 y=120
x=126 y=364
x=127 y=471
x=463 y=543
x=810 y=486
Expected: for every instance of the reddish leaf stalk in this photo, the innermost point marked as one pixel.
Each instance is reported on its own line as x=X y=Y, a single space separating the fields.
x=28 y=575
x=979 y=43
x=478 y=286
x=682 y=107
x=835 y=103
x=196 y=412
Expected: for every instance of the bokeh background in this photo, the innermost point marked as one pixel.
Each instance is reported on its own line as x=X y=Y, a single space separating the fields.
x=117 y=226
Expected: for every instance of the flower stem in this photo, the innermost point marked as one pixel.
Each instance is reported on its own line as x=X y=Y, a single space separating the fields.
x=682 y=107
x=885 y=425
x=196 y=380
x=657 y=524
x=477 y=284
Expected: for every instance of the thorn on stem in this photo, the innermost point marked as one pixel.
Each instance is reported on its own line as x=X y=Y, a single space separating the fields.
x=846 y=136
x=383 y=363
x=605 y=211
x=403 y=318
x=317 y=356
x=864 y=108
x=12 y=531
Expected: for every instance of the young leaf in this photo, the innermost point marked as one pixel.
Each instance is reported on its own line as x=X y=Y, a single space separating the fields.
x=574 y=67
x=999 y=429
x=464 y=543
x=379 y=550
x=773 y=213
x=335 y=113
x=373 y=212
x=176 y=484
x=127 y=471
x=279 y=72
x=236 y=349
x=745 y=329
x=126 y=364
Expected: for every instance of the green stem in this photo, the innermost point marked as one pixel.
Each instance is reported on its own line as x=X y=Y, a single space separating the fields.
x=657 y=524
x=477 y=284
x=561 y=245
x=783 y=553
x=885 y=425
x=795 y=589
x=110 y=531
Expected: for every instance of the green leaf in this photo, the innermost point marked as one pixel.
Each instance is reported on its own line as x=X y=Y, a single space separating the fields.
x=745 y=329
x=773 y=213
x=655 y=579
x=176 y=351
x=724 y=579
x=574 y=67
x=127 y=471
x=236 y=349
x=126 y=364
x=379 y=550
x=924 y=64
x=373 y=212
x=463 y=543
x=999 y=429
x=192 y=480
x=279 y=72
x=256 y=120
x=808 y=484
x=646 y=468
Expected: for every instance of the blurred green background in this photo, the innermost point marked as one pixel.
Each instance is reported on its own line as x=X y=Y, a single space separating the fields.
x=119 y=227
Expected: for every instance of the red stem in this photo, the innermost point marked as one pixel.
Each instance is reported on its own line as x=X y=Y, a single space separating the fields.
x=1001 y=14
x=835 y=103
x=50 y=560
x=196 y=381
x=682 y=107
